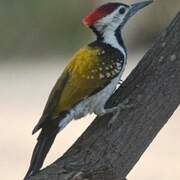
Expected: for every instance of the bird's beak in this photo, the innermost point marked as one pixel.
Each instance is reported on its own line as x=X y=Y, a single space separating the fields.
x=134 y=8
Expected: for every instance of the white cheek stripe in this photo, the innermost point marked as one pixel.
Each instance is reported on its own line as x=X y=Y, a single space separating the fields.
x=108 y=27
x=110 y=38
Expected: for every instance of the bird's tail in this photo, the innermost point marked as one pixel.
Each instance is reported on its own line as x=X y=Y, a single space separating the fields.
x=44 y=143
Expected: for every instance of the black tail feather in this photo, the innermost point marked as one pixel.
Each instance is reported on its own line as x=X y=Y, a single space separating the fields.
x=45 y=141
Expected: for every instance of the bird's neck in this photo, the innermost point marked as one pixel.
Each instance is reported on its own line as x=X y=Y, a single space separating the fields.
x=112 y=38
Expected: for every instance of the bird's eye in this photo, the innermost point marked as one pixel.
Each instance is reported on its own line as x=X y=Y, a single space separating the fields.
x=122 y=10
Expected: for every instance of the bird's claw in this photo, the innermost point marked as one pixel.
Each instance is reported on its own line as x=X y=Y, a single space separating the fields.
x=117 y=110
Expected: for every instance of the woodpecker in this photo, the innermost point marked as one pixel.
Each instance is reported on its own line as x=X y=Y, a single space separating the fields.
x=88 y=80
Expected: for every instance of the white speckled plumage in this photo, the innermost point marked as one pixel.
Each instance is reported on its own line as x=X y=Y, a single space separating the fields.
x=93 y=104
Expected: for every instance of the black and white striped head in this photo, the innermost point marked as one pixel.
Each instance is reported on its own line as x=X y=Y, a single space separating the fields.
x=112 y=16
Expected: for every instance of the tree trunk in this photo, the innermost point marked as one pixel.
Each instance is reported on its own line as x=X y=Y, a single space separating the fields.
x=108 y=149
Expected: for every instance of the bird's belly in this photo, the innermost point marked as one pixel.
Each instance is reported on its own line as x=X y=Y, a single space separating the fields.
x=96 y=102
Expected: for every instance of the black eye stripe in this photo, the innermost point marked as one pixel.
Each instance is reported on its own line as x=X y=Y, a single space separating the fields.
x=122 y=10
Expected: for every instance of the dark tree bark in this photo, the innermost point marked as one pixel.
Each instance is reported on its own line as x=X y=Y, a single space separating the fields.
x=108 y=150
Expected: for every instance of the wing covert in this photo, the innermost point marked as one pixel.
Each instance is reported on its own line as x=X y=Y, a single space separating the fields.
x=85 y=74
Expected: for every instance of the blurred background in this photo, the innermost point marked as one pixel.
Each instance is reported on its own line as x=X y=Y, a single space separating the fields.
x=36 y=40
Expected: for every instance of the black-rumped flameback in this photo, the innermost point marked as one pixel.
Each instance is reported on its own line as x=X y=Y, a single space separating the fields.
x=88 y=80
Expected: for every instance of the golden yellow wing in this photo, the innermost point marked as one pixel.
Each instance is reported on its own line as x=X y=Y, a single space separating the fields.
x=82 y=77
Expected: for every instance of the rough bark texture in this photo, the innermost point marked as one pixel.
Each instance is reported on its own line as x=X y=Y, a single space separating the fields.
x=109 y=150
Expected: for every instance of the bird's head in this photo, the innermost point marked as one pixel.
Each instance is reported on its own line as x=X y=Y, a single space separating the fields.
x=112 y=16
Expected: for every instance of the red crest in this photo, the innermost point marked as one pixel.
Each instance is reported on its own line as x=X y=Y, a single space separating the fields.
x=100 y=12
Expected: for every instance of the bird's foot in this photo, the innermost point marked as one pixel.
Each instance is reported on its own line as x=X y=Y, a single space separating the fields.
x=117 y=110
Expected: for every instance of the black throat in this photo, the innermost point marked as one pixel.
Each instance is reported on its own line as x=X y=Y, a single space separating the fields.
x=117 y=35
x=119 y=38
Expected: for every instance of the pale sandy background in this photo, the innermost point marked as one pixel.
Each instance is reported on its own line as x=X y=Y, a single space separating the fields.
x=36 y=40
